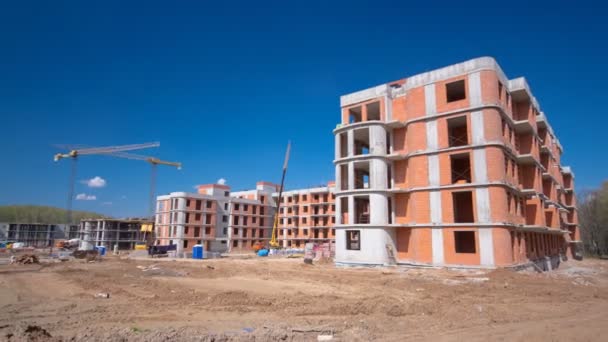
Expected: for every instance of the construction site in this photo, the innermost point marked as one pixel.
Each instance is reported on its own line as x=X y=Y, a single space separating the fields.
x=450 y=217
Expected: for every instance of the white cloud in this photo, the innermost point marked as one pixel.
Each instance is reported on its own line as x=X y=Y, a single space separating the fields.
x=221 y=181
x=95 y=182
x=106 y=203
x=85 y=197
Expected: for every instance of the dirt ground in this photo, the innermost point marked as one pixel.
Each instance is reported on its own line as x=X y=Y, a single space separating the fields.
x=287 y=300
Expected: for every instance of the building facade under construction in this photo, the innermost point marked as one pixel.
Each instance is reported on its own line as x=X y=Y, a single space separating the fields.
x=38 y=235
x=122 y=233
x=226 y=221
x=454 y=167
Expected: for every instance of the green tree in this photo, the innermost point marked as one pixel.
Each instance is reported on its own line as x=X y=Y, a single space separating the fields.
x=593 y=217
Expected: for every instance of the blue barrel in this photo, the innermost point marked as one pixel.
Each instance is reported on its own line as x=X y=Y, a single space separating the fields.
x=263 y=252
x=197 y=252
x=101 y=250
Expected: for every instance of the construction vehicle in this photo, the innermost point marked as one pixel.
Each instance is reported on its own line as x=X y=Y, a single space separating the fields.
x=274 y=242
x=159 y=251
x=67 y=244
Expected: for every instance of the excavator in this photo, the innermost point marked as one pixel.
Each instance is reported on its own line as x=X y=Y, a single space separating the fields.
x=274 y=242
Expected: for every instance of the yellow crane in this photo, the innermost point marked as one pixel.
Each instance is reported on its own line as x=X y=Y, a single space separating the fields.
x=274 y=243
x=153 y=162
x=113 y=151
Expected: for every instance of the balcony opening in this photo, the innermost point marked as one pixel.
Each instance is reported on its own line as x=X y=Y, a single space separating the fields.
x=455 y=91
x=544 y=161
x=390 y=211
x=362 y=210
x=361 y=141
x=389 y=147
x=567 y=182
x=373 y=111
x=462 y=202
x=464 y=242
x=521 y=110
x=362 y=175
x=548 y=218
x=353 y=240
x=547 y=187
x=343 y=139
x=531 y=214
x=569 y=199
x=542 y=133
x=524 y=143
x=461 y=168
x=354 y=115
x=343 y=210
x=499 y=90
x=457 y=131
x=389 y=176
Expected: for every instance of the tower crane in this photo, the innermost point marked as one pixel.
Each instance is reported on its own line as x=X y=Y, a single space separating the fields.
x=153 y=163
x=114 y=151
x=274 y=243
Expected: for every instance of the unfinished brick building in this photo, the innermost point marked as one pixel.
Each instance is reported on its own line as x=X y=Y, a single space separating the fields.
x=307 y=215
x=218 y=219
x=225 y=221
x=457 y=166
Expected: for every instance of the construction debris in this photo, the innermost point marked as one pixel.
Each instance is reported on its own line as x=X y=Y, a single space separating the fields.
x=89 y=255
x=102 y=295
x=25 y=259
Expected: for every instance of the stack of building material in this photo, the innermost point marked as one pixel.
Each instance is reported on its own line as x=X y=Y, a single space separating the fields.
x=309 y=250
x=27 y=259
x=319 y=250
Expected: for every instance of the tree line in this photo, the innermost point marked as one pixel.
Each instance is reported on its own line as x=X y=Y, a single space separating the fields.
x=593 y=220
x=41 y=214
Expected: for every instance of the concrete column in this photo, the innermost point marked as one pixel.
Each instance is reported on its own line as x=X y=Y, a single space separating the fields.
x=435 y=207
x=103 y=235
x=437 y=245
x=338 y=211
x=477 y=128
x=378 y=207
x=433 y=170
x=350 y=138
x=378 y=173
x=480 y=166
x=482 y=202
x=337 y=146
x=430 y=103
x=475 y=89
x=377 y=140
x=103 y=232
x=388 y=108
x=486 y=246
x=181 y=204
x=338 y=178
x=181 y=219
x=85 y=243
x=98 y=232
x=351 y=175
x=432 y=140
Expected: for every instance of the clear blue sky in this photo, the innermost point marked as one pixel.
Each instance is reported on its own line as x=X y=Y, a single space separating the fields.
x=224 y=85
